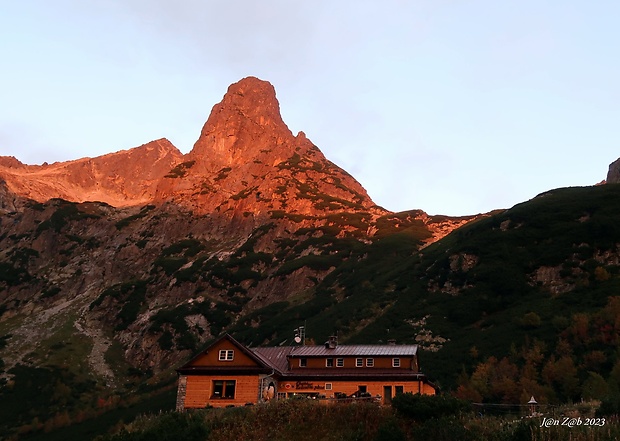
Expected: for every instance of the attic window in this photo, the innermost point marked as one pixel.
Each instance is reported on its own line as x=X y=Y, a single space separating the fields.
x=395 y=362
x=226 y=355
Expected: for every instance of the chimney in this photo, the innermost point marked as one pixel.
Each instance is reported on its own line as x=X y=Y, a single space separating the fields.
x=392 y=342
x=332 y=342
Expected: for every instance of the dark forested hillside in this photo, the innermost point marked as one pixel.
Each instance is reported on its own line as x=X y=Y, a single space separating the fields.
x=523 y=302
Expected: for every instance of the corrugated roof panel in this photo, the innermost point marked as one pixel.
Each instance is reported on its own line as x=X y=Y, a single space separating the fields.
x=354 y=350
x=274 y=356
x=277 y=356
x=353 y=373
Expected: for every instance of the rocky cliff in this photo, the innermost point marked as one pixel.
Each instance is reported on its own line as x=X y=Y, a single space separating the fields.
x=613 y=175
x=248 y=161
x=245 y=161
x=125 y=178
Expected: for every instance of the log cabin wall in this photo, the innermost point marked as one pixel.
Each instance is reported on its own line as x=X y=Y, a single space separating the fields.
x=329 y=388
x=200 y=391
x=427 y=389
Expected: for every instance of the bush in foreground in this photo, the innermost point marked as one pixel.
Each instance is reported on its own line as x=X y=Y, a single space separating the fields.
x=308 y=420
x=423 y=407
x=171 y=426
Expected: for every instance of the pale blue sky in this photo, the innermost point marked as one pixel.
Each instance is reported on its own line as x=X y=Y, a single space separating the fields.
x=453 y=107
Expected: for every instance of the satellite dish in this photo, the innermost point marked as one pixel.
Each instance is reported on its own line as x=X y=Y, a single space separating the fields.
x=297 y=339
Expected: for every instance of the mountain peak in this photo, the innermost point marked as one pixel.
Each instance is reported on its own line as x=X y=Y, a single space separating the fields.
x=246 y=161
x=246 y=121
x=245 y=149
x=255 y=98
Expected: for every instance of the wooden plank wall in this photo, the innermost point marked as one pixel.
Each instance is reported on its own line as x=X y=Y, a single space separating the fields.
x=198 y=391
x=427 y=389
x=349 y=387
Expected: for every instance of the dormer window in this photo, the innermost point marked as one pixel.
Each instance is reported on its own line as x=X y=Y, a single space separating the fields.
x=339 y=362
x=395 y=362
x=226 y=355
x=303 y=362
x=329 y=362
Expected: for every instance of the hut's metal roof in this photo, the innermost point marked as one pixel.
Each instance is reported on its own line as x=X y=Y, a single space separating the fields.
x=275 y=357
x=278 y=356
x=355 y=351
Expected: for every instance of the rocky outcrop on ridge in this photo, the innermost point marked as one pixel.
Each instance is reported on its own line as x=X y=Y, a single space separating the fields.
x=121 y=179
x=613 y=175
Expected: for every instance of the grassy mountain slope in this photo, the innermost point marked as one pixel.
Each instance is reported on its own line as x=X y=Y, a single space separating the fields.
x=541 y=277
x=99 y=304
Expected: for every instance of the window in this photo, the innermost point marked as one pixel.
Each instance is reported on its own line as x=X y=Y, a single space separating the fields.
x=224 y=389
x=395 y=362
x=370 y=362
x=329 y=362
x=328 y=386
x=399 y=390
x=226 y=355
x=359 y=362
x=303 y=362
x=339 y=362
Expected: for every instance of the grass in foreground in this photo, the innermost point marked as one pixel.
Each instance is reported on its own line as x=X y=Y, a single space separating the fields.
x=302 y=420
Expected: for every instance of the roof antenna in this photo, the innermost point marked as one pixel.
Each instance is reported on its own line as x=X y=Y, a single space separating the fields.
x=300 y=335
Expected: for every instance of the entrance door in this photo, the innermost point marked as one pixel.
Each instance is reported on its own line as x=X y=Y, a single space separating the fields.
x=387 y=394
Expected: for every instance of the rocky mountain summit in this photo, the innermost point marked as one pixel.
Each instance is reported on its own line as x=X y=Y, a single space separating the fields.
x=245 y=161
x=248 y=161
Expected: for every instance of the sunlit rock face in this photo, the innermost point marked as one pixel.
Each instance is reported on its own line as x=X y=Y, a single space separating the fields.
x=247 y=160
x=613 y=175
x=125 y=178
